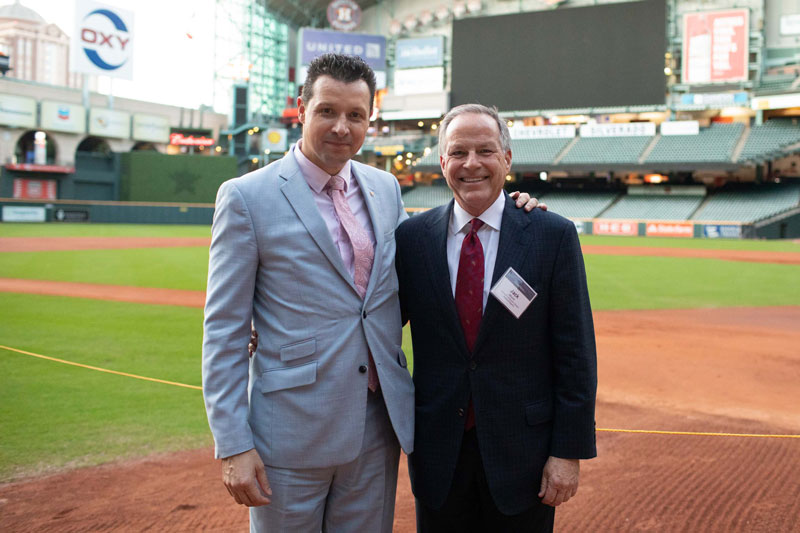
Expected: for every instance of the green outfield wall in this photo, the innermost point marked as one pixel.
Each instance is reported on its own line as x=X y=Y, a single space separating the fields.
x=155 y=177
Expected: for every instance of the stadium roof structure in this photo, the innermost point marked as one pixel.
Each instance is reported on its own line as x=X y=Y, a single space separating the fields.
x=300 y=13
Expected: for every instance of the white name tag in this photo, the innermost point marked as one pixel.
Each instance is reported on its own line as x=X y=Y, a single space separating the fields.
x=512 y=291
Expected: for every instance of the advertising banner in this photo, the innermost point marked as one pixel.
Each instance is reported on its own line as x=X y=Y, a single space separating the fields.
x=680 y=127
x=276 y=140
x=628 y=129
x=670 y=229
x=34 y=189
x=109 y=123
x=715 y=46
x=17 y=111
x=370 y=48
x=102 y=41
x=790 y=24
x=722 y=231
x=416 y=53
x=59 y=116
x=14 y=213
x=615 y=227
x=150 y=128
x=542 y=132
x=715 y=99
x=418 y=81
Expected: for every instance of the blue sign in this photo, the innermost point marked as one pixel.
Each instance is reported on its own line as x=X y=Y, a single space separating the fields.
x=370 y=48
x=424 y=52
x=721 y=231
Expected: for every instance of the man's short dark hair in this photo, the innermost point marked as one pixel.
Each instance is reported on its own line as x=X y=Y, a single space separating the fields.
x=340 y=67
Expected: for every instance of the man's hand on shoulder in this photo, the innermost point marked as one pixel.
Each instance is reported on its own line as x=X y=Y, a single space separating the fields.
x=245 y=478
x=559 y=480
x=524 y=200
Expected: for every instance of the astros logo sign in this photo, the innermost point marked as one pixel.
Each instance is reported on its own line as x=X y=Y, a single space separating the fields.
x=105 y=39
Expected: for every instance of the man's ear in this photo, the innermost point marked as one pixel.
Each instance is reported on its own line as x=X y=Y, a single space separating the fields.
x=508 y=161
x=301 y=110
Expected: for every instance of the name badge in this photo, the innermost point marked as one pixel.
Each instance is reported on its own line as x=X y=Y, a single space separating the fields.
x=513 y=292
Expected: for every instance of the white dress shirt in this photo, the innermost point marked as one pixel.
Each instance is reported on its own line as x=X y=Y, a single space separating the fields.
x=488 y=234
x=317 y=180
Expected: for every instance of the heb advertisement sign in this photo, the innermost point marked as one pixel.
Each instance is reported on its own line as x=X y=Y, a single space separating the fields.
x=669 y=229
x=35 y=189
x=722 y=231
x=715 y=46
x=616 y=227
x=102 y=43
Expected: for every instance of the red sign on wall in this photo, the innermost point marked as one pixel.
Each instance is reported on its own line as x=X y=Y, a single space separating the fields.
x=670 y=229
x=35 y=189
x=715 y=46
x=615 y=227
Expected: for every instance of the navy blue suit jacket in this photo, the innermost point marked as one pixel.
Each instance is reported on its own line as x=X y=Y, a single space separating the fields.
x=532 y=380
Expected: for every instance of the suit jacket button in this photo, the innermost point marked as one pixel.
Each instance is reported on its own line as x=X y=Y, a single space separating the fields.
x=364 y=314
x=473 y=365
x=460 y=411
x=363 y=369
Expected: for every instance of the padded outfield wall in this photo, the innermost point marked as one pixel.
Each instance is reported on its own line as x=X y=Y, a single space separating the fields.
x=155 y=177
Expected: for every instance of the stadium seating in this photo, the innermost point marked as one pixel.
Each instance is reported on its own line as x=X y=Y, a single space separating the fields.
x=654 y=207
x=766 y=140
x=537 y=151
x=750 y=204
x=423 y=196
x=591 y=150
x=577 y=204
x=711 y=145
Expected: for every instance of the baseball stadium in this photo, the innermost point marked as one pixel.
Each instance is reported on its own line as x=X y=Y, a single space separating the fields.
x=667 y=131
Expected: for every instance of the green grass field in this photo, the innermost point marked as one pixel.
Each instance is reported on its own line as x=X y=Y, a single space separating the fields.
x=53 y=415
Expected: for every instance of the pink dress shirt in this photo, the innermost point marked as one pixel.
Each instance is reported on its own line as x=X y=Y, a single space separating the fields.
x=317 y=180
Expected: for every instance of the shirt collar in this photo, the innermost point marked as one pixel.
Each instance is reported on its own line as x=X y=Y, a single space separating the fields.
x=316 y=177
x=492 y=217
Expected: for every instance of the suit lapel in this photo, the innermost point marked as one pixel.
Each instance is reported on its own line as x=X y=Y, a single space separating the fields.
x=512 y=249
x=298 y=193
x=368 y=192
x=436 y=258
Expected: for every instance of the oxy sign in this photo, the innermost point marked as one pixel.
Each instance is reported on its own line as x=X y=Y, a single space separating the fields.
x=102 y=42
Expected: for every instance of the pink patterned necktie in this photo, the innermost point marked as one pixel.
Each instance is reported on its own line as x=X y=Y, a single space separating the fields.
x=363 y=252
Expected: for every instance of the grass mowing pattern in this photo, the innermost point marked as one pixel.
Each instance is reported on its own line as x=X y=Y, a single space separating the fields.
x=632 y=282
x=17 y=229
x=166 y=268
x=53 y=415
x=708 y=244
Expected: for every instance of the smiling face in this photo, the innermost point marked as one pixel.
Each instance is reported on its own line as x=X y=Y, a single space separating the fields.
x=474 y=163
x=335 y=122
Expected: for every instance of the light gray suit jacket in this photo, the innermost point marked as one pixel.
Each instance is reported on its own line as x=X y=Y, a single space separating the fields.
x=301 y=400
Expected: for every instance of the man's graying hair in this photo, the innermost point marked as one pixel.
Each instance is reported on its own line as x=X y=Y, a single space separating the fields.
x=505 y=136
x=340 y=67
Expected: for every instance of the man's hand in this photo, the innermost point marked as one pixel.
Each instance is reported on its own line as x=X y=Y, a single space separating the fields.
x=251 y=348
x=245 y=478
x=524 y=199
x=559 y=480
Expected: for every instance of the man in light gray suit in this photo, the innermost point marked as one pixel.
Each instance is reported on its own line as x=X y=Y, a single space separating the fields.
x=309 y=430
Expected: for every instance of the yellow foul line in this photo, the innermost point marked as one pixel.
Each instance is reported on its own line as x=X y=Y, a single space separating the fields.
x=195 y=387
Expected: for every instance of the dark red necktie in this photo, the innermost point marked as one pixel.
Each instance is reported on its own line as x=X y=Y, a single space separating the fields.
x=469 y=294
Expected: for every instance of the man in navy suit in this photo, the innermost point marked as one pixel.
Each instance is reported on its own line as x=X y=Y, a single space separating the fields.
x=505 y=382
